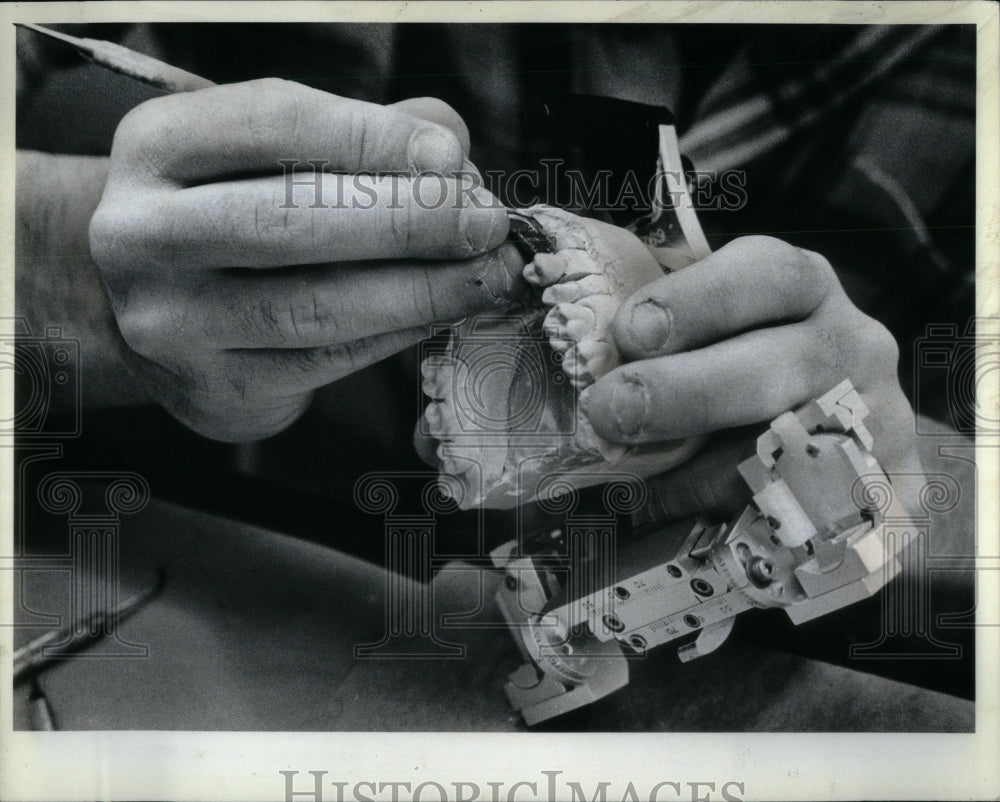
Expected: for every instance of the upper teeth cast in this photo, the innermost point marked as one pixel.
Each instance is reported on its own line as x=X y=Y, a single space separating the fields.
x=594 y=269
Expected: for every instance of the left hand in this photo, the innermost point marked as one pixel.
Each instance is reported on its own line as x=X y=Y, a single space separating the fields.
x=731 y=342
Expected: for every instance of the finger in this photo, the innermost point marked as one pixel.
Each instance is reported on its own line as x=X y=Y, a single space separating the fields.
x=257 y=375
x=329 y=304
x=266 y=223
x=437 y=111
x=749 y=282
x=250 y=127
x=228 y=415
x=262 y=392
x=752 y=377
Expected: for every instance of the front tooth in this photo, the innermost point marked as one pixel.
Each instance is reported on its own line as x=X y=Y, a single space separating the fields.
x=545 y=269
x=570 y=291
x=571 y=367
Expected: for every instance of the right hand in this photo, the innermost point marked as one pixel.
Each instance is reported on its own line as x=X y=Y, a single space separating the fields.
x=237 y=305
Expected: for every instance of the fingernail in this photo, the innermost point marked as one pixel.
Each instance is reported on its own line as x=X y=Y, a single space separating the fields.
x=434 y=150
x=650 y=325
x=628 y=405
x=483 y=221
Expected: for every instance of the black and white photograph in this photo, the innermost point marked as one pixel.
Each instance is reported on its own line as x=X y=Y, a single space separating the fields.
x=508 y=401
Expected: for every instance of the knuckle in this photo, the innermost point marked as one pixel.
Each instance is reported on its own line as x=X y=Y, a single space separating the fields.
x=878 y=342
x=143 y=140
x=825 y=351
x=806 y=273
x=272 y=107
x=765 y=246
x=104 y=231
x=814 y=268
x=271 y=85
x=435 y=109
x=307 y=319
x=155 y=325
x=139 y=123
x=122 y=234
x=142 y=328
x=856 y=346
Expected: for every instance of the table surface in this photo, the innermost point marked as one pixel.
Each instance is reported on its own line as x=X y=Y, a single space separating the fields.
x=257 y=630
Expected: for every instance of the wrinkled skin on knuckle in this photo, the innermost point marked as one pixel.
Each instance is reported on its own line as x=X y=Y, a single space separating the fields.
x=868 y=354
x=808 y=271
x=437 y=111
x=143 y=147
x=401 y=221
x=104 y=233
x=313 y=316
x=156 y=328
x=135 y=128
x=131 y=233
x=270 y=101
x=862 y=348
x=881 y=346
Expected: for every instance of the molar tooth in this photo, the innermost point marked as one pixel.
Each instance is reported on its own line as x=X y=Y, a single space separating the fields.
x=569 y=322
x=432 y=362
x=571 y=366
x=432 y=417
x=558 y=344
x=449 y=420
x=553 y=325
x=596 y=358
x=448 y=463
x=438 y=378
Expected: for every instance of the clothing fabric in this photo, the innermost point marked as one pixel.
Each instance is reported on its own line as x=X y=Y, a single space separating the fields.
x=855 y=141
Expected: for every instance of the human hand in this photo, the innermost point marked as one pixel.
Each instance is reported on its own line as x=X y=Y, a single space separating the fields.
x=731 y=342
x=236 y=303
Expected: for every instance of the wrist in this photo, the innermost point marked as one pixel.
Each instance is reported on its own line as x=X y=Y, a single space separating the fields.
x=58 y=284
